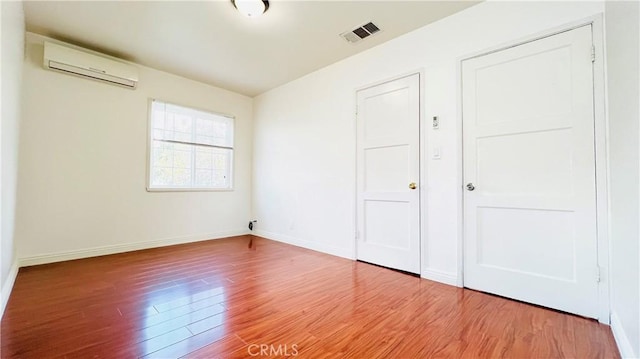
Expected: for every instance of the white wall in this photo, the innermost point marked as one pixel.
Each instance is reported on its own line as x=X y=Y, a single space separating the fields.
x=83 y=151
x=304 y=131
x=11 y=68
x=622 y=42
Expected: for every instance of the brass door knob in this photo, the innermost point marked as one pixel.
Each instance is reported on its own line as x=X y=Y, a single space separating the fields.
x=413 y=185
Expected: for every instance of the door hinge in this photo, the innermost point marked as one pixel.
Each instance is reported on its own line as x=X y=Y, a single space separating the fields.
x=593 y=53
x=598 y=274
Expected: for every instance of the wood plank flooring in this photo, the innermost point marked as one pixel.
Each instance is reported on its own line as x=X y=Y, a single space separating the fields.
x=222 y=299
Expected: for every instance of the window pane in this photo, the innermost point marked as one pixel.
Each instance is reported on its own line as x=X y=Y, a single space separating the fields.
x=204 y=158
x=161 y=176
x=219 y=160
x=220 y=178
x=195 y=162
x=205 y=139
x=182 y=177
x=183 y=124
x=158 y=119
x=168 y=121
x=182 y=159
x=204 y=127
x=163 y=157
x=204 y=178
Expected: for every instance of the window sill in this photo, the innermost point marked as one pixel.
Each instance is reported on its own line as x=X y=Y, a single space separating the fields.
x=190 y=189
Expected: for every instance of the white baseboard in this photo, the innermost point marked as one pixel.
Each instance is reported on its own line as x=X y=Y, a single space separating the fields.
x=7 y=287
x=440 y=276
x=333 y=250
x=431 y=274
x=624 y=345
x=120 y=248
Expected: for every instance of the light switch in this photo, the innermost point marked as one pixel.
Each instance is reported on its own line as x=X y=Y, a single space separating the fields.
x=435 y=154
x=436 y=123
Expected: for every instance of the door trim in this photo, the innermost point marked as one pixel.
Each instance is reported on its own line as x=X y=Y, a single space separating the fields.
x=421 y=162
x=601 y=148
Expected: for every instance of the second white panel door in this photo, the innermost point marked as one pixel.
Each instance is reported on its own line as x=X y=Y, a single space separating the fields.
x=529 y=168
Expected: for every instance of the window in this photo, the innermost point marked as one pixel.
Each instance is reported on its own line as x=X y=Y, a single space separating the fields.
x=189 y=149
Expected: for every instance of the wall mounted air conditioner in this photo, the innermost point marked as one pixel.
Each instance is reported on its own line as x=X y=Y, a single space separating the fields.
x=80 y=63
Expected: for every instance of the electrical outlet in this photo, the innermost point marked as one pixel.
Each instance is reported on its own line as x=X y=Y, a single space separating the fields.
x=251 y=224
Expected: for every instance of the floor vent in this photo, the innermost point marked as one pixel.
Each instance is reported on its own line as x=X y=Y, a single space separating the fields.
x=360 y=32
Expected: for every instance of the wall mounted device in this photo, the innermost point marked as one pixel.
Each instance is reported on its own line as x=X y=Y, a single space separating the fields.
x=89 y=65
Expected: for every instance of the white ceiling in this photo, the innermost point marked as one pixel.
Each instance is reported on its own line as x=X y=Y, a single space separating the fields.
x=209 y=41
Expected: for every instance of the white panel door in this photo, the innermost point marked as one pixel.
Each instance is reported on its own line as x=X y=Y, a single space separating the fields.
x=529 y=173
x=388 y=169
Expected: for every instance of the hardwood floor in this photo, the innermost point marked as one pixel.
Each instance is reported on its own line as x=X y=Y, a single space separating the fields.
x=222 y=299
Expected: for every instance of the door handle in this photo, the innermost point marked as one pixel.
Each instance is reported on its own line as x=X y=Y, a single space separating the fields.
x=470 y=186
x=413 y=185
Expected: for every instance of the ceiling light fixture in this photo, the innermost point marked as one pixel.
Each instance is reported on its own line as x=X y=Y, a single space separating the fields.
x=251 y=8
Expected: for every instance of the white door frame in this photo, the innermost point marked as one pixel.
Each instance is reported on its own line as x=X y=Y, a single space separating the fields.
x=422 y=162
x=601 y=148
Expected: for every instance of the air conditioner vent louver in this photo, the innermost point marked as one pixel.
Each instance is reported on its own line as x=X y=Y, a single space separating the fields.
x=89 y=65
x=360 y=32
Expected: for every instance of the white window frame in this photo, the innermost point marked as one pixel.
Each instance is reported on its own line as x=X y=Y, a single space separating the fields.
x=150 y=153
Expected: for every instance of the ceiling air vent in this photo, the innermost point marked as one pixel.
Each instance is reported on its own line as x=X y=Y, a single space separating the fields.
x=360 y=32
